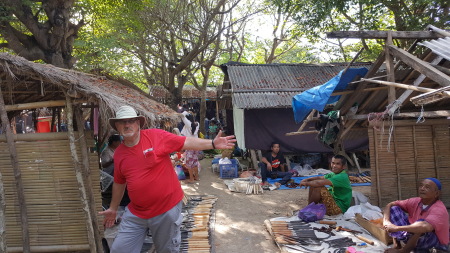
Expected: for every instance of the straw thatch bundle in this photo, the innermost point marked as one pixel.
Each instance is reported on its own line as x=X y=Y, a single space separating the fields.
x=30 y=82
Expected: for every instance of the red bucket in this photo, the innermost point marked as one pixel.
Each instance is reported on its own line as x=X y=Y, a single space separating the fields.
x=43 y=125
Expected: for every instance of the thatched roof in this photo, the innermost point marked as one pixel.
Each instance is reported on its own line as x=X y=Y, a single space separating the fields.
x=27 y=82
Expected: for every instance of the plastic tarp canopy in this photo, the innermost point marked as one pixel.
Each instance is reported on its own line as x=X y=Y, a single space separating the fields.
x=319 y=96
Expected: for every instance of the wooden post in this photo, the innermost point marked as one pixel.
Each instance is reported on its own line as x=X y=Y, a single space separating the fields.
x=53 y=119
x=397 y=165
x=79 y=175
x=308 y=119
x=390 y=68
x=254 y=159
x=416 y=164
x=435 y=151
x=377 y=169
x=59 y=120
x=87 y=176
x=17 y=175
x=356 y=162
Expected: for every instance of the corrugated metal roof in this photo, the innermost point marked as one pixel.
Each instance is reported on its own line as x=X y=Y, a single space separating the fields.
x=440 y=47
x=274 y=85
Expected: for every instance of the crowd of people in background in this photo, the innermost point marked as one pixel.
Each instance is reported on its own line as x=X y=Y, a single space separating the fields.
x=212 y=124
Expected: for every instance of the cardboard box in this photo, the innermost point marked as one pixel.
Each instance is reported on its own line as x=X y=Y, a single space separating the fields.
x=373 y=229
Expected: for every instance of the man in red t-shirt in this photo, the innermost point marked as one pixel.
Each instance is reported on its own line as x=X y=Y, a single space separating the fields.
x=426 y=225
x=142 y=164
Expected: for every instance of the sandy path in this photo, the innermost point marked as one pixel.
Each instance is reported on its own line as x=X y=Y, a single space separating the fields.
x=239 y=225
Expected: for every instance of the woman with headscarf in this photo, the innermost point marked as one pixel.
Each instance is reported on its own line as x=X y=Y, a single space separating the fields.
x=190 y=129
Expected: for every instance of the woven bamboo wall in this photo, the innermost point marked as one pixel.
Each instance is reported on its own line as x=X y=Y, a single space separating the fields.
x=55 y=213
x=414 y=152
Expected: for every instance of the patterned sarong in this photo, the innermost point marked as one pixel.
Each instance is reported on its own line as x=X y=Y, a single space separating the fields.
x=191 y=157
x=427 y=241
x=328 y=200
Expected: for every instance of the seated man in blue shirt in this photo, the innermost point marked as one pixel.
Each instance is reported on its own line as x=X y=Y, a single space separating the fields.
x=273 y=165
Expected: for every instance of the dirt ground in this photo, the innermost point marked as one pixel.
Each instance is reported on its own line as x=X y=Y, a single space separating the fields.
x=239 y=218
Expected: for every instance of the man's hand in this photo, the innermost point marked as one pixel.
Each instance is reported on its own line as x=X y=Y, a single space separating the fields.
x=386 y=222
x=391 y=228
x=110 y=217
x=304 y=183
x=226 y=142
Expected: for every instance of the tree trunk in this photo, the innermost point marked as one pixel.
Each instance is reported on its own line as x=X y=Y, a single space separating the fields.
x=49 y=38
x=203 y=111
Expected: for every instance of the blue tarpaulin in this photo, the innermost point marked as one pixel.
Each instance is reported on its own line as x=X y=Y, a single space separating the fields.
x=319 y=96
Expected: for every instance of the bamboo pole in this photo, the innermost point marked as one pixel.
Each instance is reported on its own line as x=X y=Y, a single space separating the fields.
x=79 y=175
x=435 y=151
x=27 y=106
x=38 y=137
x=397 y=165
x=87 y=177
x=19 y=107
x=377 y=169
x=407 y=86
x=17 y=175
x=2 y=216
x=53 y=248
x=416 y=162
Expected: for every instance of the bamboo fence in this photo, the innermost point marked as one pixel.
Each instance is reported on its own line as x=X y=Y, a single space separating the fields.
x=55 y=212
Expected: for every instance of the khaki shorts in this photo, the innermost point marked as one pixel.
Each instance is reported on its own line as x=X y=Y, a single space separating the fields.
x=329 y=202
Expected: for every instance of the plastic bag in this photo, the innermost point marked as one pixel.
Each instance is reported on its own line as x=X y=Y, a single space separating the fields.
x=180 y=172
x=312 y=212
x=350 y=214
x=306 y=170
x=225 y=160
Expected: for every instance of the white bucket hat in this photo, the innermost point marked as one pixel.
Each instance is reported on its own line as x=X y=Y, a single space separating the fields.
x=126 y=112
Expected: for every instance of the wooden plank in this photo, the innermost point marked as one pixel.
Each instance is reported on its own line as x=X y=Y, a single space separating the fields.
x=390 y=68
x=304 y=132
x=430 y=97
x=431 y=114
x=408 y=92
x=421 y=66
x=383 y=34
x=414 y=122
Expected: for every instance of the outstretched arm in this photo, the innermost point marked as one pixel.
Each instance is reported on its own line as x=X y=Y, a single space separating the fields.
x=315 y=182
x=226 y=142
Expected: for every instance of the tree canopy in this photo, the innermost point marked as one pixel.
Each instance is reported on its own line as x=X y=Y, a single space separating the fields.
x=40 y=30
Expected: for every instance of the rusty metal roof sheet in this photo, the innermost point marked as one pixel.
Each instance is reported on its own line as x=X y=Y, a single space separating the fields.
x=256 y=86
x=439 y=46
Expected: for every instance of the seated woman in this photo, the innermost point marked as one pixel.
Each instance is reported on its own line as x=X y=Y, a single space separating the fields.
x=421 y=223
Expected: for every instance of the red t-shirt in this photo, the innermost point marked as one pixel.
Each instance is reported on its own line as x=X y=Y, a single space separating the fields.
x=436 y=215
x=152 y=183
